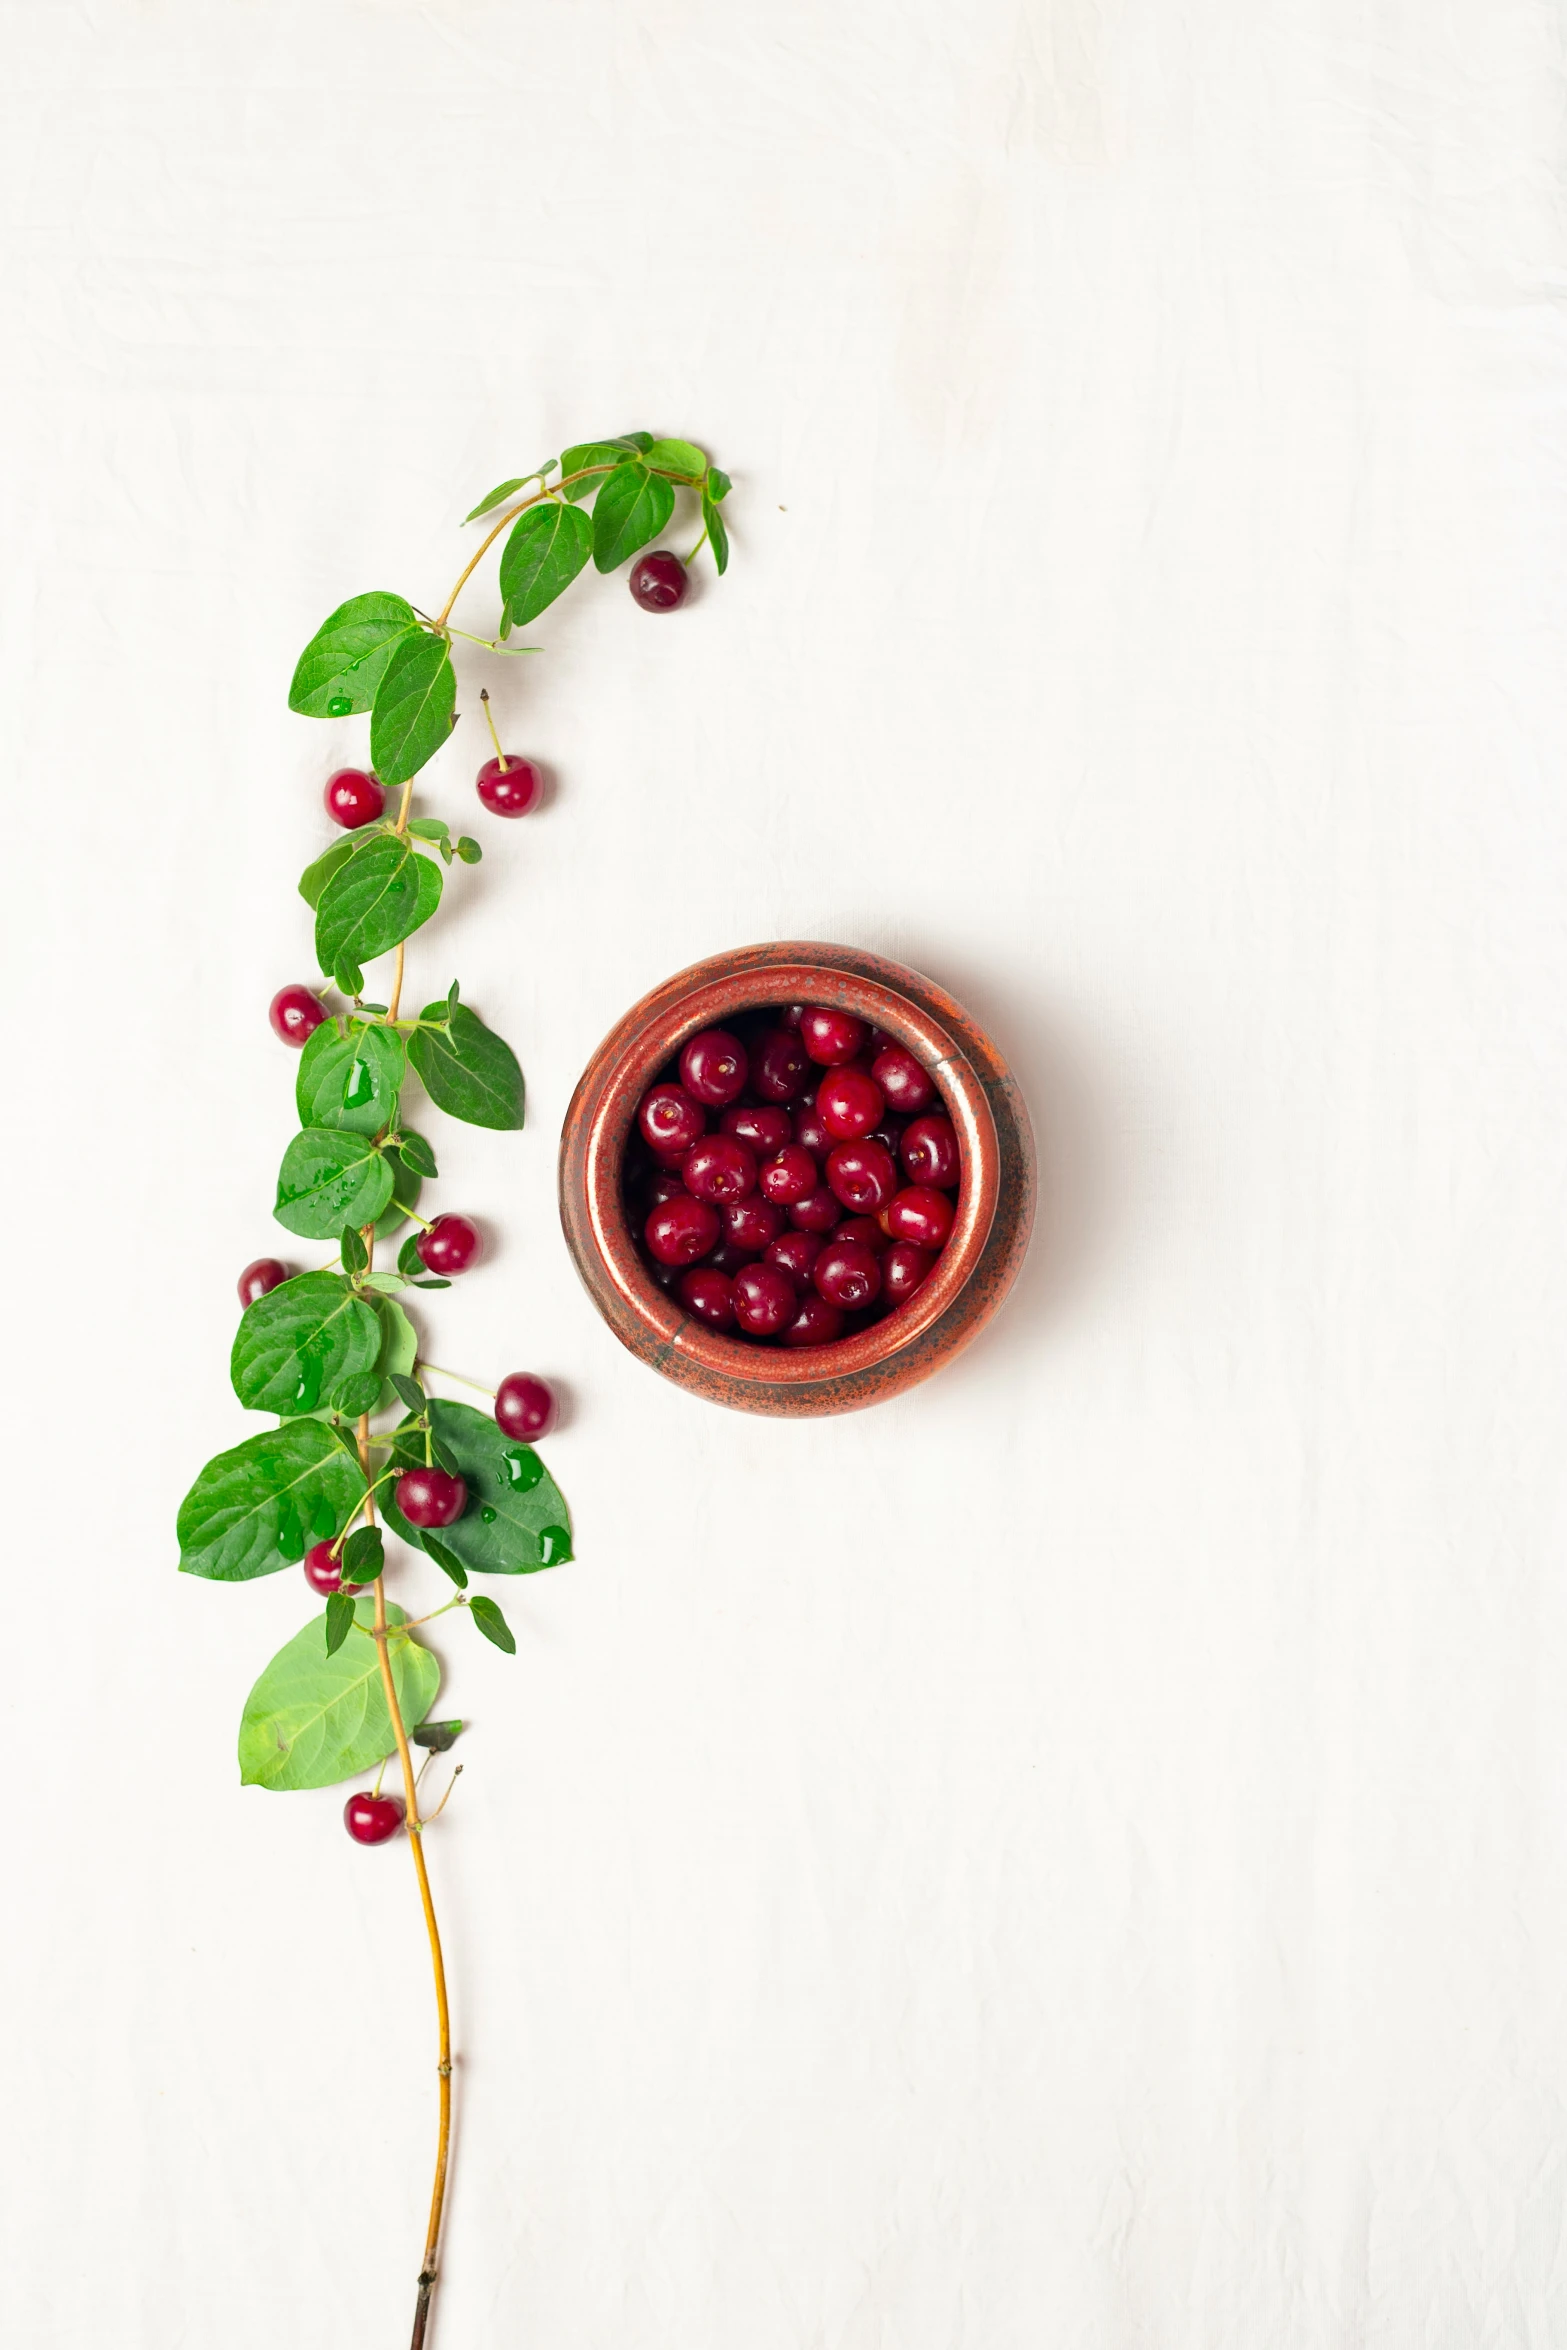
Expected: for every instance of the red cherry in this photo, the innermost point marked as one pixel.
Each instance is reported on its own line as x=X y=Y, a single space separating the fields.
x=719 y=1169
x=830 y=1037
x=764 y=1300
x=353 y=798
x=708 y=1295
x=525 y=1405
x=919 y=1214
x=816 y=1323
x=260 y=1277
x=791 y=1016
x=907 y=1084
x=850 y=1104
x=450 y=1246
x=513 y=790
x=681 y=1230
x=810 y=1133
x=863 y=1228
x=667 y=1183
x=713 y=1067
x=903 y=1268
x=930 y=1151
x=324 y=1573
x=659 y=581
x=817 y=1212
x=863 y=1175
x=373 y=1819
x=847 y=1274
x=778 y=1066
x=430 y=1497
x=295 y=1014
x=764 y=1128
x=671 y=1118
x=750 y=1223
x=790 y=1176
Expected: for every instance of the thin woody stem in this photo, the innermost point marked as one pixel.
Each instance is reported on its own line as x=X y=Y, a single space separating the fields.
x=510 y=516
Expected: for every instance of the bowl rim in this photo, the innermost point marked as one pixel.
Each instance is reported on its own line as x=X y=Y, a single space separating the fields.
x=993 y=1210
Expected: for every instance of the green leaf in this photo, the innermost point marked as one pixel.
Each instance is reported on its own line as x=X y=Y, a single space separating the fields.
x=260 y=1506
x=587 y=453
x=312 y=1719
x=489 y=504
x=345 y=661
x=436 y=1737
x=348 y=975
x=429 y=828
x=400 y=1349
x=469 y=850
x=632 y=507
x=468 y=1070
x=453 y=996
x=406 y=1187
x=330 y=1178
x=295 y=1344
x=543 y=555
x=413 y=707
x=677 y=457
x=377 y=897
x=409 y=1393
x=429 y=1282
x=418 y=1153
x=443 y=1455
x=315 y=877
x=339 y=1617
x=719 y=485
x=516 y=1520
x=492 y=1623
x=410 y=1262
x=445 y=1561
x=352 y=1250
x=364 y=1555
x=640 y=442
x=717 y=535
x=359 y=1394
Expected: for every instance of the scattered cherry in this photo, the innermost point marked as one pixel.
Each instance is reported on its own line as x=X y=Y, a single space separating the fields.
x=430 y=1497
x=713 y=1066
x=764 y=1300
x=921 y=1215
x=324 y=1570
x=930 y=1151
x=847 y=1274
x=830 y=1037
x=260 y=1277
x=295 y=1014
x=863 y=1174
x=850 y=1104
x=906 y=1083
x=659 y=581
x=373 y=1819
x=671 y=1118
x=719 y=1169
x=903 y=1268
x=514 y=789
x=816 y=1323
x=450 y=1246
x=525 y=1405
x=681 y=1230
x=353 y=798
x=709 y=1295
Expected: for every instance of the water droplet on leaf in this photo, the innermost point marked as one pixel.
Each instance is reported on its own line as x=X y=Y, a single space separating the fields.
x=339 y=705
x=523 y=1468
x=488 y=1515
x=554 y=1545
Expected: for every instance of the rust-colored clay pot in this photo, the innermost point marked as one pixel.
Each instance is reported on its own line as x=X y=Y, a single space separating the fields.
x=974 y=1270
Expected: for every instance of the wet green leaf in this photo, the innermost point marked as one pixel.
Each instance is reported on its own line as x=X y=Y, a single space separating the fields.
x=378 y=897
x=297 y=1343
x=492 y=1623
x=260 y=1506
x=413 y=707
x=330 y=1178
x=344 y=662
x=467 y=1069
x=313 y=1719
x=631 y=508
x=516 y=1520
x=544 y=554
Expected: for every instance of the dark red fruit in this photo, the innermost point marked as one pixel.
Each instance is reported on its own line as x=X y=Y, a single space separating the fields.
x=794 y=1253
x=919 y=1214
x=903 y=1268
x=671 y=1118
x=847 y=1274
x=850 y=1104
x=863 y=1228
x=713 y=1067
x=778 y=1066
x=830 y=1037
x=430 y=1497
x=719 y=1169
x=750 y=1223
x=373 y=1819
x=907 y=1084
x=863 y=1175
x=790 y=1176
x=709 y=1296
x=513 y=790
x=664 y=1276
x=681 y=1230
x=450 y=1246
x=295 y=1014
x=764 y=1300
x=261 y=1276
x=726 y=1258
x=930 y=1151
x=810 y=1133
x=765 y=1129
x=667 y=1183
x=324 y=1571
x=353 y=798
x=819 y=1211
x=791 y=1016
x=816 y=1323
x=659 y=581
x=525 y=1405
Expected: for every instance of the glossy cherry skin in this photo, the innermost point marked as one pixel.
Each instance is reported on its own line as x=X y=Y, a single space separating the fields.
x=353 y=798
x=713 y=1066
x=659 y=581
x=903 y=1268
x=794 y=1253
x=708 y=1295
x=919 y=1214
x=373 y=1819
x=719 y=1169
x=295 y=1014
x=726 y=1258
x=513 y=790
x=906 y=1083
x=847 y=1274
x=778 y=1066
x=765 y=1129
x=849 y=1103
x=680 y=1230
x=525 y=1405
x=930 y=1151
x=816 y=1323
x=671 y=1118
x=764 y=1300
x=810 y=1133
x=863 y=1175
x=750 y=1223
x=666 y=1183
x=791 y=1176
x=819 y=1211
x=430 y=1497
x=450 y=1246
x=324 y=1573
x=830 y=1037
x=864 y=1228
x=791 y=1016
x=260 y=1277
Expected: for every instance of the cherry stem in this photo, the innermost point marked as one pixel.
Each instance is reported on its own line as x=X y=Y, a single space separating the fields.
x=500 y=756
x=477 y=1385
x=696 y=550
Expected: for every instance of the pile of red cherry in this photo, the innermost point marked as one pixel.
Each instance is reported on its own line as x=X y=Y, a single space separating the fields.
x=792 y=1178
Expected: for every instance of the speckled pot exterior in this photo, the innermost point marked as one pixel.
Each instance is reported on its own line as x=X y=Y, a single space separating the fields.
x=995 y=1200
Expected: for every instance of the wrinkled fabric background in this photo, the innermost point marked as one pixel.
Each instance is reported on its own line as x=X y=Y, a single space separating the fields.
x=1074 y=1857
